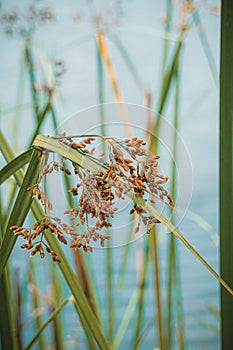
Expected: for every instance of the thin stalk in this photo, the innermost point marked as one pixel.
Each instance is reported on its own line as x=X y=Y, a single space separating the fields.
x=157 y=285
x=142 y=290
x=178 y=295
x=110 y=294
x=100 y=91
x=226 y=170
x=87 y=282
x=41 y=118
x=36 y=304
x=125 y=320
x=105 y=57
x=57 y=294
x=126 y=253
x=109 y=274
x=31 y=71
x=165 y=89
x=128 y=61
x=19 y=101
x=8 y=329
x=205 y=45
x=173 y=290
x=167 y=30
x=46 y=323
x=18 y=308
x=155 y=259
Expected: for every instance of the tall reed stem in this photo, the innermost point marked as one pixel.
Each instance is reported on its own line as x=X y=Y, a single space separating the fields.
x=226 y=166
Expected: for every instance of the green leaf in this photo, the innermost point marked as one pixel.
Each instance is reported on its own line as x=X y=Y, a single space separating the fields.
x=15 y=165
x=46 y=323
x=21 y=207
x=125 y=320
x=8 y=329
x=32 y=280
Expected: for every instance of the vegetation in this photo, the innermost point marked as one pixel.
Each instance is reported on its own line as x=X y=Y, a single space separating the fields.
x=96 y=170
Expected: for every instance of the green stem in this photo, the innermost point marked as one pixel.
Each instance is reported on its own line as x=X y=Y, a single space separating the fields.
x=109 y=274
x=8 y=329
x=167 y=30
x=46 y=323
x=226 y=170
x=31 y=70
x=142 y=290
x=174 y=292
x=36 y=304
x=157 y=284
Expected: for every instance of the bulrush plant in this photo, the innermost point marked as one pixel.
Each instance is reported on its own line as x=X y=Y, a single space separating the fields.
x=123 y=169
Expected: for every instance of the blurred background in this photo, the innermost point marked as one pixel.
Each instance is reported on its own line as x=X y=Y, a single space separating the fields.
x=68 y=66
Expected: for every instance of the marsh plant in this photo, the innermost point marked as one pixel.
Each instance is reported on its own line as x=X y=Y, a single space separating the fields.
x=125 y=167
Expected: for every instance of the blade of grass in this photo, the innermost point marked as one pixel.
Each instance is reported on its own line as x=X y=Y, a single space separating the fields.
x=18 y=307
x=226 y=170
x=105 y=56
x=36 y=304
x=100 y=90
x=132 y=69
x=199 y=220
x=157 y=285
x=205 y=44
x=165 y=89
x=9 y=156
x=46 y=323
x=57 y=295
x=19 y=100
x=30 y=64
x=142 y=291
x=53 y=145
x=173 y=289
x=41 y=119
x=125 y=258
x=8 y=329
x=17 y=163
x=125 y=320
x=167 y=29
x=21 y=207
x=109 y=291
x=109 y=274
x=168 y=75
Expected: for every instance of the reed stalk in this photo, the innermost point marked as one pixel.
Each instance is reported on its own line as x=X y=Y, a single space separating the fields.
x=36 y=304
x=109 y=257
x=226 y=169
x=173 y=288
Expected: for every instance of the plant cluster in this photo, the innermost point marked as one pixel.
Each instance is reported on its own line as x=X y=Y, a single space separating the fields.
x=124 y=167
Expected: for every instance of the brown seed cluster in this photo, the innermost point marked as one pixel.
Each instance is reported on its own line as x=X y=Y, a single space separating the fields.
x=40 y=195
x=34 y=235
x=50 y=167
x=81 y=145
x=126 y=167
